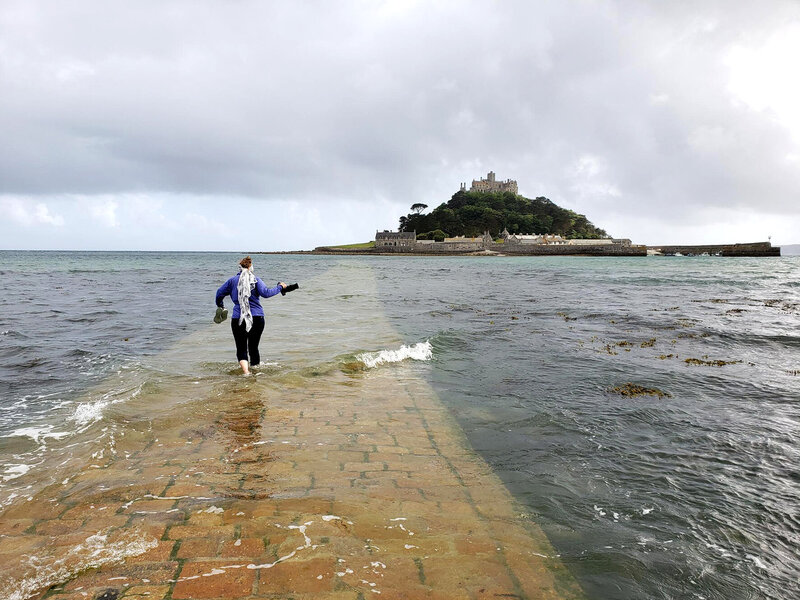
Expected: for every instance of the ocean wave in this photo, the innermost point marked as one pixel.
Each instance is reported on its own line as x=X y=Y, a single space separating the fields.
x=420 y=351
x=97 y=315
x=97 y=550
x=453 y=340
x=87 y=413
x=14 y=334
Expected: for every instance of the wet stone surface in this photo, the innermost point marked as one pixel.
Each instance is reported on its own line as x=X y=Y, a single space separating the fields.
x=356 y=490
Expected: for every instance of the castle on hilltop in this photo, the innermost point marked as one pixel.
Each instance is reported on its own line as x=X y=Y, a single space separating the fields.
x=490 y=184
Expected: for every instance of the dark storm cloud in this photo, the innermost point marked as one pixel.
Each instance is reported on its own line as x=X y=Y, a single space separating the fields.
x=604 y=106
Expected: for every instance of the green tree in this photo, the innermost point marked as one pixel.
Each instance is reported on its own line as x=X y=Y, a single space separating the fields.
x=472 y=213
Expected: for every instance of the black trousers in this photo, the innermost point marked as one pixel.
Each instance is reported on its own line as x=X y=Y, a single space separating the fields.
x=247 y=341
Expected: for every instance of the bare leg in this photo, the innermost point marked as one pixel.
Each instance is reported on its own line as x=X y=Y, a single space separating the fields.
x=245 y=367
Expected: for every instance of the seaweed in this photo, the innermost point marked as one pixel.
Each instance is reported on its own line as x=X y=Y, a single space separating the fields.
x=782 y=305
x=686 y=322
x=352 y=367
x=632 y=390
x=710 y=363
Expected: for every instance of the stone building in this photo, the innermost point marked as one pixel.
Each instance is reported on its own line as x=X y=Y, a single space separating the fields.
x=543 y=238
x=402 y=239
x=490 y=184
x=555 y=239
x=517 y=238
x=391 y=242
x=600 y=242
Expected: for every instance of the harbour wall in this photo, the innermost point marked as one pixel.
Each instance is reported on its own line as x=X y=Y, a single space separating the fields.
x=752 y=249
x=567 y=250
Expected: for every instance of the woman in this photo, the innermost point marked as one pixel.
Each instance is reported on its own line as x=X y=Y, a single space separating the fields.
x=247 y=321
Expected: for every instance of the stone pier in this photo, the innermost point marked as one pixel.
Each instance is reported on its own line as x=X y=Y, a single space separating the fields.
x=368 y=492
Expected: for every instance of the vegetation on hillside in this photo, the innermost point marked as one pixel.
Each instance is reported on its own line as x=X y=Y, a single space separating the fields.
x=472 y=213
x=359 y=246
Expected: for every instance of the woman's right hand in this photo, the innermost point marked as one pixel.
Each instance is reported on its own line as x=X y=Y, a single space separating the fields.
x=283 y=285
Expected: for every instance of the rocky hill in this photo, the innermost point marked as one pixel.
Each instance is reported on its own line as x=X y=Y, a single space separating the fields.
x=472 y=213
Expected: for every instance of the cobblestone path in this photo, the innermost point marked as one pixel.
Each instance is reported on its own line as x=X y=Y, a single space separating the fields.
x=368 y=492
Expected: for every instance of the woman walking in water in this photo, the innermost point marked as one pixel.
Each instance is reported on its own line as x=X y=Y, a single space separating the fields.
x=247 y=321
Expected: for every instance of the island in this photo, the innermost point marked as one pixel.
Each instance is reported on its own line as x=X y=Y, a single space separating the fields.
x=492 y=218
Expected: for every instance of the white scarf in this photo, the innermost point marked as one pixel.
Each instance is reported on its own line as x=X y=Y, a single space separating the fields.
x=247 y=281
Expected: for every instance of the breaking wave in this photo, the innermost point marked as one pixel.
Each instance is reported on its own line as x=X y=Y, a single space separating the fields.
x=420 y=351
x=89 y=412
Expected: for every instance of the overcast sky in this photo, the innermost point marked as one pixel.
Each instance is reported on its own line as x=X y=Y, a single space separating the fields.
x=254 y=125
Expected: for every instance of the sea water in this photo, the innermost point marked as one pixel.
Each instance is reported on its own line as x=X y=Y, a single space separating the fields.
x=692 y=493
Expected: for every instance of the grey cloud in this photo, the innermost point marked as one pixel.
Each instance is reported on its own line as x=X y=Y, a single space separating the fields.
x=363 y=101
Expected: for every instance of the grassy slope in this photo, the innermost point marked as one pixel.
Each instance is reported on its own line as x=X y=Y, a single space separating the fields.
x=370 y=244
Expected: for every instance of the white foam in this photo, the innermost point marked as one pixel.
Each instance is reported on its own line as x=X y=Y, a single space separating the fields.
x=8 y=500
x=37 y=434
x=306 y=544
x=94 y=552
x=89 y=412
x=757 y=561
x=14 y=471
x=420 y=351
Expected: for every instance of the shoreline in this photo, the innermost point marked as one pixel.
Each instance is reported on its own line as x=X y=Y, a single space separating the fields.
x=755 y=250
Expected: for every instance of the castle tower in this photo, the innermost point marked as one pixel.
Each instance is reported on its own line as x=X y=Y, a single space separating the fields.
x=490 y=184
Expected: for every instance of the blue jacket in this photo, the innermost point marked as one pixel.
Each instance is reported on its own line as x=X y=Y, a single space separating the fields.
x=231 y=287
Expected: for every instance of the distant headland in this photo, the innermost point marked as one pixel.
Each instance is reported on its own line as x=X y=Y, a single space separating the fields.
x=492 y=218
